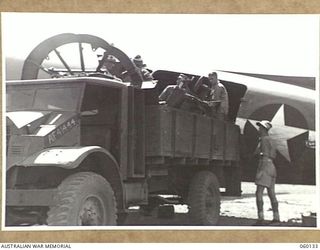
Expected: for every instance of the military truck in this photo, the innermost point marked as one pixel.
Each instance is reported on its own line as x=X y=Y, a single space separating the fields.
x=82 y=147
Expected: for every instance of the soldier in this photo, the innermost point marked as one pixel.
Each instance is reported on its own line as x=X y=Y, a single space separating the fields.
x=181 y=87
x=146 y=75
x=217 y=99
x=266 y=173
x=110 y=67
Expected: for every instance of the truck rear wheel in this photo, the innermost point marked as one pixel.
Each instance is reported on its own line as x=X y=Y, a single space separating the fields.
x=204 y=199
x=83 y=199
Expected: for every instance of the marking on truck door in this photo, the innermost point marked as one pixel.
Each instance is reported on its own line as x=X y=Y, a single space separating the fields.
x=61 y=130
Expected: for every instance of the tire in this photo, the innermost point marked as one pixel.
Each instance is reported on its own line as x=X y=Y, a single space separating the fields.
x=83 y=199
x=165 y=212
x=204 y=199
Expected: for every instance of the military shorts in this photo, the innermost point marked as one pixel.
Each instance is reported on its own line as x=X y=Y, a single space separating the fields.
x=266 y=173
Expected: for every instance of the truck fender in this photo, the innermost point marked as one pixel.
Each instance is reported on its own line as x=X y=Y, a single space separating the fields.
x=64 y=157
x=77 y=157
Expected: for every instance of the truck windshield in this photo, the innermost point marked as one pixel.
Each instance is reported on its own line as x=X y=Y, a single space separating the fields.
x=65 y=99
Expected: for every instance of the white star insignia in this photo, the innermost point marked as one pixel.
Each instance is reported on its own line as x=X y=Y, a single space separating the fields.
x=281 y=133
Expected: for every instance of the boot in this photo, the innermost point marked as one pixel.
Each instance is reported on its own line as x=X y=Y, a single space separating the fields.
x=260 y=215
x=260 y=221
x=276 y=217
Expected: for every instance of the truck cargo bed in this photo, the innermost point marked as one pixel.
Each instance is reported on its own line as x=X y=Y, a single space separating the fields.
x=174 y=133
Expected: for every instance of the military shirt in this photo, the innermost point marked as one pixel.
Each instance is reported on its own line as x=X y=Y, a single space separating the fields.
x=267 y=148
x=146 y=75
x=219 y=93
x=266 y=172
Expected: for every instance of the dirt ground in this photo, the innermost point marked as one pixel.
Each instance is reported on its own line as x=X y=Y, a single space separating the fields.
x=295 y=201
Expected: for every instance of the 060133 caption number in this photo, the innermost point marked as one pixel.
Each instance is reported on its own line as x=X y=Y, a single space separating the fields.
x=309 y=245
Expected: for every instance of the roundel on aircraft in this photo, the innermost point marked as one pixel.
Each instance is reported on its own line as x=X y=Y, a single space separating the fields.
x=281 y=114
x=290 y=130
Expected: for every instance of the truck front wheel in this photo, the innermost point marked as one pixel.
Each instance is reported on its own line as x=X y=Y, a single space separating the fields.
x=204 y=199
x=83 y=199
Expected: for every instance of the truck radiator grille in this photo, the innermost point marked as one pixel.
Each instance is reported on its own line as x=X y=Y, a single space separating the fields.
x=16 y=150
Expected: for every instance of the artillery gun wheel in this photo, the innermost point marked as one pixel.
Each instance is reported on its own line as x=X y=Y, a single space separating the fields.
x=204 y=199
x=83 y=199
x=76 y=55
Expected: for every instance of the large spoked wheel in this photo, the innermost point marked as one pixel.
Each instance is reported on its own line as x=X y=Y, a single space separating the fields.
x=68 y=54
x=83 y=199
x=204 y=199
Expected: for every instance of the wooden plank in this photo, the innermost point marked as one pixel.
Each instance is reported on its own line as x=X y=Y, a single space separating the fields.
x=203 y=137
x=212 y=138
x=136 y=133
x=130 y=128
x=124 y=133
x=167 y=123
x=173 y=132
x=177 y=161
x=192 y=161
x=139 y=134
x=194 y=136
x=232 y=142
x=218 y=139
x=203 y=161
x=158 y=131
x=153 y=131
x=155 y=160
x=183 y=134
x=158 y=171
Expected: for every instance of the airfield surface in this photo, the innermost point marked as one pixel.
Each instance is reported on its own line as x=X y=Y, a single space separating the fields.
x=294 y=201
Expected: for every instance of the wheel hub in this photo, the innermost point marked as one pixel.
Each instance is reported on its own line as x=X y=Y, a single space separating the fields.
x=210 y=204
x=91 y=213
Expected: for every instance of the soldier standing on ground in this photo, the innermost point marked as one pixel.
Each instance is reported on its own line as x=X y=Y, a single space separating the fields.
x=217 y=99
x=266 y=173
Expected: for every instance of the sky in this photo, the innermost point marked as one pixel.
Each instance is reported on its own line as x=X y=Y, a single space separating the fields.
x=190 y=43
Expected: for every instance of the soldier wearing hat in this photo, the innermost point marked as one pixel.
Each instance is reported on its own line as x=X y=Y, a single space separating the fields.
x=217 y=99
x=266 y=172
x=173 y=95
x=109 y=65
x=146 y=75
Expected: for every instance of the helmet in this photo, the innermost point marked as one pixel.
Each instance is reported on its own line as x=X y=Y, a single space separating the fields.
x=138 y=61
x=111 y=58
x=214 y=74
x=266 y=124
x=182 y=76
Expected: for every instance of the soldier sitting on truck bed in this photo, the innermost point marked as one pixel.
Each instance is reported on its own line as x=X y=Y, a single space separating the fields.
x=145 y=73
x=173 y=95
x=179 y=95
x=217 y=99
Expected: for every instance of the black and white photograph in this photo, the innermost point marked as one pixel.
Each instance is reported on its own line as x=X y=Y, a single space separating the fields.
x=160 y=121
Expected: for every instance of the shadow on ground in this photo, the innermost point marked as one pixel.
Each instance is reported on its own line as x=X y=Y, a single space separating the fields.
x=181 y=219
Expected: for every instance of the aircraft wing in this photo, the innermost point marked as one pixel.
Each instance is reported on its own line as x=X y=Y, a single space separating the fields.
x=291 y=110
x=264 y=97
